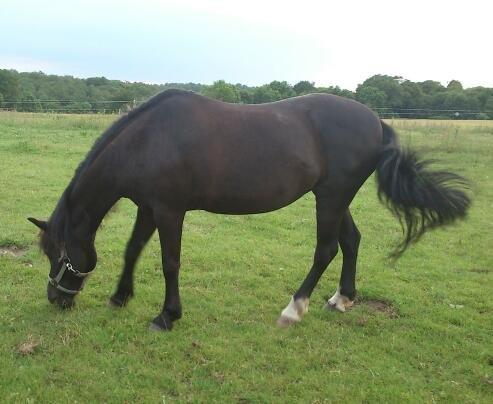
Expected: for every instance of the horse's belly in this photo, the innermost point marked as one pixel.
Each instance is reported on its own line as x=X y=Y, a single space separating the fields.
x=242 y=204
x=258 y=170
x=244 y=194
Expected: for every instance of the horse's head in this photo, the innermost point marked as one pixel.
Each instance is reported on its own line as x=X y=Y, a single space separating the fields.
x=71 y=262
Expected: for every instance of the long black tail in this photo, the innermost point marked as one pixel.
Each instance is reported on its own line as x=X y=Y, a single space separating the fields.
x=420 y=198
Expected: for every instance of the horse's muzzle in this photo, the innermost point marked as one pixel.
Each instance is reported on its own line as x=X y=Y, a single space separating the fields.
x=64 y=300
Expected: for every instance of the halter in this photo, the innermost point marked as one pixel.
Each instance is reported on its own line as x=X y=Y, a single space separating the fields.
x=67 y=267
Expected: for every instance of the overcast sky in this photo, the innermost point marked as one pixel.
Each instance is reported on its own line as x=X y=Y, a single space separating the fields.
x=252 y=41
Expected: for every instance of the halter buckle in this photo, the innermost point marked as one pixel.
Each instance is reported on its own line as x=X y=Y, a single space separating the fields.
x=67 y=266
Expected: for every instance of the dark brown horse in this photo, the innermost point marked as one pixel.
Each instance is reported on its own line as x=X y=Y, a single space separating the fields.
x=181 y=151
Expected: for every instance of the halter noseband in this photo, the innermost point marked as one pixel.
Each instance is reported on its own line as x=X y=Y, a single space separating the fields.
x=67 y=267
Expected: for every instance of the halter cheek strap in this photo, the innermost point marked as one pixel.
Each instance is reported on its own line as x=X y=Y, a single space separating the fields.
x=68 y=268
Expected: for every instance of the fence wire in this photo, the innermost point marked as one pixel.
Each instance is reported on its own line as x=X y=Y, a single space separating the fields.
x=123 y=106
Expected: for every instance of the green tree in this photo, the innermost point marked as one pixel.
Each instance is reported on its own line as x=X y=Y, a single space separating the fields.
x=431 y=87
x=488 y=107
x=282 y=88
x=436 y=100
x=433 y=94
x=245 y=96
x=413 y=96
x=390 y=85
x=97 y=81
x=371 y=96
x=304 y=87
x=454 y=85
x=29 y=104
x=336 y=91
x=223 y=91
x=457 y=100
x=79 y=107
x=265 y=94
x=9 y=85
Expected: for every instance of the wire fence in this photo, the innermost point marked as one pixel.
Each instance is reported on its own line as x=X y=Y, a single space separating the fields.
x=123 y=106
x=71 y=106
x=427 y=113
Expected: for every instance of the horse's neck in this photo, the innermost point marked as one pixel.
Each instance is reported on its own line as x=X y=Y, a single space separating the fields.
x=92 y=197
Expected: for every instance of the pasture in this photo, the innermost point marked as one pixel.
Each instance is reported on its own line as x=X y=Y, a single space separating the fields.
x=421 y=330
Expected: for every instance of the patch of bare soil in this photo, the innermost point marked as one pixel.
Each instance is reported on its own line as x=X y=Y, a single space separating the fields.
x=480 y=270
x=12 y=250
x=381 y=306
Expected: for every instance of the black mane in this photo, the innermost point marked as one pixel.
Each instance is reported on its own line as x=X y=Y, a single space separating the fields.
x=58 y=219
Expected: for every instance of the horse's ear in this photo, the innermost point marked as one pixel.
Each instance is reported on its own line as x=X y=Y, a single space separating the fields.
x=39 y=223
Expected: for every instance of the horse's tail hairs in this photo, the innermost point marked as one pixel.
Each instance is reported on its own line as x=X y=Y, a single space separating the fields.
x=420 y=198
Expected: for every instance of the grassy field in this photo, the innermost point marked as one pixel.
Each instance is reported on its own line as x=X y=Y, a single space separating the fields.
x=420 y=332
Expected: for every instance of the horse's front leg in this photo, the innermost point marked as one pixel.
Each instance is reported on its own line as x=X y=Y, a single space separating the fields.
x=170 y=224
x=143 y=229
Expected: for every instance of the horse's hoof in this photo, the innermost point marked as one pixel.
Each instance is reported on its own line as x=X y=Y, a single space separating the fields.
x=115 y=302
x=285 y=322
x=339 y=302
x=112 y=302
x=293 y=312
x=119 y=299
x=161 y=323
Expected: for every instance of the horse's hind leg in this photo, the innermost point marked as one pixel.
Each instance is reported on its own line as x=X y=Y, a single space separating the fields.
x=329 y=216
x=143 y=229
x=349 y=238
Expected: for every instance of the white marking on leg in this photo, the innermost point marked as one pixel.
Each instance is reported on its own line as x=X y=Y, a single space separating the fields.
x=333 y=300
x=293 y=312
x=339 y=302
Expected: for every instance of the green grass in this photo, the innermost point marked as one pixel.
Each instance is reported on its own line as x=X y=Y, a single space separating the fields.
x=238 y=272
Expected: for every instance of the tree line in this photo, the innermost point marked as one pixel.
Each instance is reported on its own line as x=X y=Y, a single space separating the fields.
x=387 y=95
